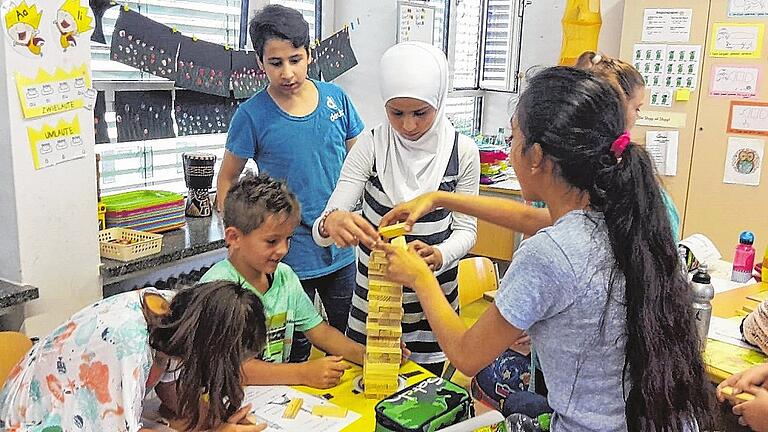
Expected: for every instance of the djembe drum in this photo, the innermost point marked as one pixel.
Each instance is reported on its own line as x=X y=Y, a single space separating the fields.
x=198 y=175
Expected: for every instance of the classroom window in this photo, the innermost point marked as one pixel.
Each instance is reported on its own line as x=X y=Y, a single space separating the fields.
x=308 y=8
x=157 y=163
x=486 y=51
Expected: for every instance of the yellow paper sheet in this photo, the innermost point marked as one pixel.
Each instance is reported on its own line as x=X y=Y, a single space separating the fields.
x=46 y=93
x=661 y=119
x=740 y=40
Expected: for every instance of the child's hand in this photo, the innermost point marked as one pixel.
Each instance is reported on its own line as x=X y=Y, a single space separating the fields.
x=405 y=266
x=325 y=372
x=409 y=212
x=240 y=422
x=430 y=254
x=754 y=413
x=755 y=376
x=406 y=353
x=348 y=229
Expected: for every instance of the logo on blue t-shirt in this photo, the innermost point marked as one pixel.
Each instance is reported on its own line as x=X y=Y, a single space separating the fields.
x=331 y=104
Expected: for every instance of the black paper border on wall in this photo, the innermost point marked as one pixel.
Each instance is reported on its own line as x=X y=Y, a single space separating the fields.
x=314 y=68
x=99 y=122
x=204 y=67
x=247 y=77
x=99 y=7
x=144 y=44
x=335 y=55
x=198 y=113
x=143 y=115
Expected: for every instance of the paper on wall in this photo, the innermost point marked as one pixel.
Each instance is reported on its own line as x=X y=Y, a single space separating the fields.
x=742 y=40
x=734 y=81
x=661 y=119
x=660 y=96
x=45 y=93
x=744 y=161
x=748 y=117
x=662 y=146
x=682 y=67
x=667 y=25
x=671 y=66
x=51 y=145
x=650 y=60
x=750 y=8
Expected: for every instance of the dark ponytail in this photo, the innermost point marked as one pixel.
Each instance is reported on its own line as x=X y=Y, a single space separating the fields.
x=211 y=328
x=575 y=118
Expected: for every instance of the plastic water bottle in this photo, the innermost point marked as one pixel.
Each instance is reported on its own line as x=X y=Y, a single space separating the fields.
x=703 y=293
x=501 y=140
x=744 y=258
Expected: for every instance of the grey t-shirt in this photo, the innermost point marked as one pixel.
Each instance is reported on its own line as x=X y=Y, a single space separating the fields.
x=557 y=290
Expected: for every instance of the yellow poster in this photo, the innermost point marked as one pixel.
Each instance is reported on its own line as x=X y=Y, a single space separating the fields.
x=737 y=40
x=661 y=119
x=47 y=93
x=51 y=145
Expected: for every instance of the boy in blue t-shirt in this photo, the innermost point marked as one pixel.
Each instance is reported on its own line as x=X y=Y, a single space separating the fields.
x=297 y=130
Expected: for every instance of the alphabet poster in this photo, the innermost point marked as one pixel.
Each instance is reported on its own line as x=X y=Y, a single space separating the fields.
x=734 y=81
x=748 y=118
x=744 y=161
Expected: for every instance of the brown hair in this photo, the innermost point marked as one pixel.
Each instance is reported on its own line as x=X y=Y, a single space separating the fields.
x=211 y=328
x=255 y=197
x=620 y=74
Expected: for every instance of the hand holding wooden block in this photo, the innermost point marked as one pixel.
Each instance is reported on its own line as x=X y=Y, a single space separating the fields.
x=736 y=397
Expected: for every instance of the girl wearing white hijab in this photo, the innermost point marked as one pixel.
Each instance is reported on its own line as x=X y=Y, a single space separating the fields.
x=417 y=150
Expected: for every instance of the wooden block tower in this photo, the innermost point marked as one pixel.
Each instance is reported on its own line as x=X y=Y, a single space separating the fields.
x=383 y=325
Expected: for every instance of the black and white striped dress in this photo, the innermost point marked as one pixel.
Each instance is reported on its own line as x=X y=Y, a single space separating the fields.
x=432 y=229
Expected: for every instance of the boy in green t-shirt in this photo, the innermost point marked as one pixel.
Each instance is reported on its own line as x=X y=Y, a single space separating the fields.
x=260 y=214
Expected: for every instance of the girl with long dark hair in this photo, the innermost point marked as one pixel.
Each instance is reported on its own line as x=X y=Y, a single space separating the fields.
x=600 y=292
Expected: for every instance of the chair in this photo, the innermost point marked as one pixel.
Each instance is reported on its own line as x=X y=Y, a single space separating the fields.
x=476 y=276
x=13 y=347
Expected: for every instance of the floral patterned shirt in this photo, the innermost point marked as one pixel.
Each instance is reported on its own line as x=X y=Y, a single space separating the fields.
x=90 y=374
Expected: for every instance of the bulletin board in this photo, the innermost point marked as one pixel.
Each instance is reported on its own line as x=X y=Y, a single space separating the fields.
x=719 y=118
x=415 y=22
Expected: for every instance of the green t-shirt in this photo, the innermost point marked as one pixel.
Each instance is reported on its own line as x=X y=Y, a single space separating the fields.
x=286 y=305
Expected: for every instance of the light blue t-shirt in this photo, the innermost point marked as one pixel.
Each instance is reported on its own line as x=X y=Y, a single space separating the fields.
x=307 y=152
x=556 y=290
x=674 y=216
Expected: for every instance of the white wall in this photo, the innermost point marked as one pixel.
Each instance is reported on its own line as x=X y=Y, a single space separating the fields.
x=542 y=38
x=375 y=34
x=54 y=208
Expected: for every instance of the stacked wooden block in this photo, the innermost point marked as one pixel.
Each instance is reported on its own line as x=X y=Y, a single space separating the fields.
x=383 y=325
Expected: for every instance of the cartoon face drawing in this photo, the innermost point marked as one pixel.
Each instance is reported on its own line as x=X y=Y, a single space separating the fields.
x=47 y=89
x=61 y=144
x=63 y=87
x=72 y=19
x=746 y=161
x=76 y=141
x=32 y=93
x=21 y=33
x=79 y=82
x=21 y=24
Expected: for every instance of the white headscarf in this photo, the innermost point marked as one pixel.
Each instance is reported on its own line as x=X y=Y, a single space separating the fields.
x=406 y=168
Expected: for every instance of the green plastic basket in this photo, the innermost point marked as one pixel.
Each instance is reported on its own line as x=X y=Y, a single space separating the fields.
x=128 y=201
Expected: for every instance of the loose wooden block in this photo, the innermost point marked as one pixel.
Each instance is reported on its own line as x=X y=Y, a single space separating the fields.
x=400 y=241
x=738 y=397
x=393 y=231
x=329 y=411
x=293 y=408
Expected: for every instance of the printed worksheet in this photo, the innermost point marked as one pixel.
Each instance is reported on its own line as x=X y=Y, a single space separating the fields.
x=269 y=403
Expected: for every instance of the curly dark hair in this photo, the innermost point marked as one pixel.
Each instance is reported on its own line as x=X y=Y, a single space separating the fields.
x=211 y=327
x=278 y=22
x=575 y=117
x=255 y=197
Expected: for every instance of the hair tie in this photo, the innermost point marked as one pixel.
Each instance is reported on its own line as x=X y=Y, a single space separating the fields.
x=620 y=144
x=596 y=59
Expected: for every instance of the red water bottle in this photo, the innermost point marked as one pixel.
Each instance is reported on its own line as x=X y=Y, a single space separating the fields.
x=744 y=258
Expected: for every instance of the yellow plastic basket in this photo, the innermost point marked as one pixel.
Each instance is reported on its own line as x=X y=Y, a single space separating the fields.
x=142 y=244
